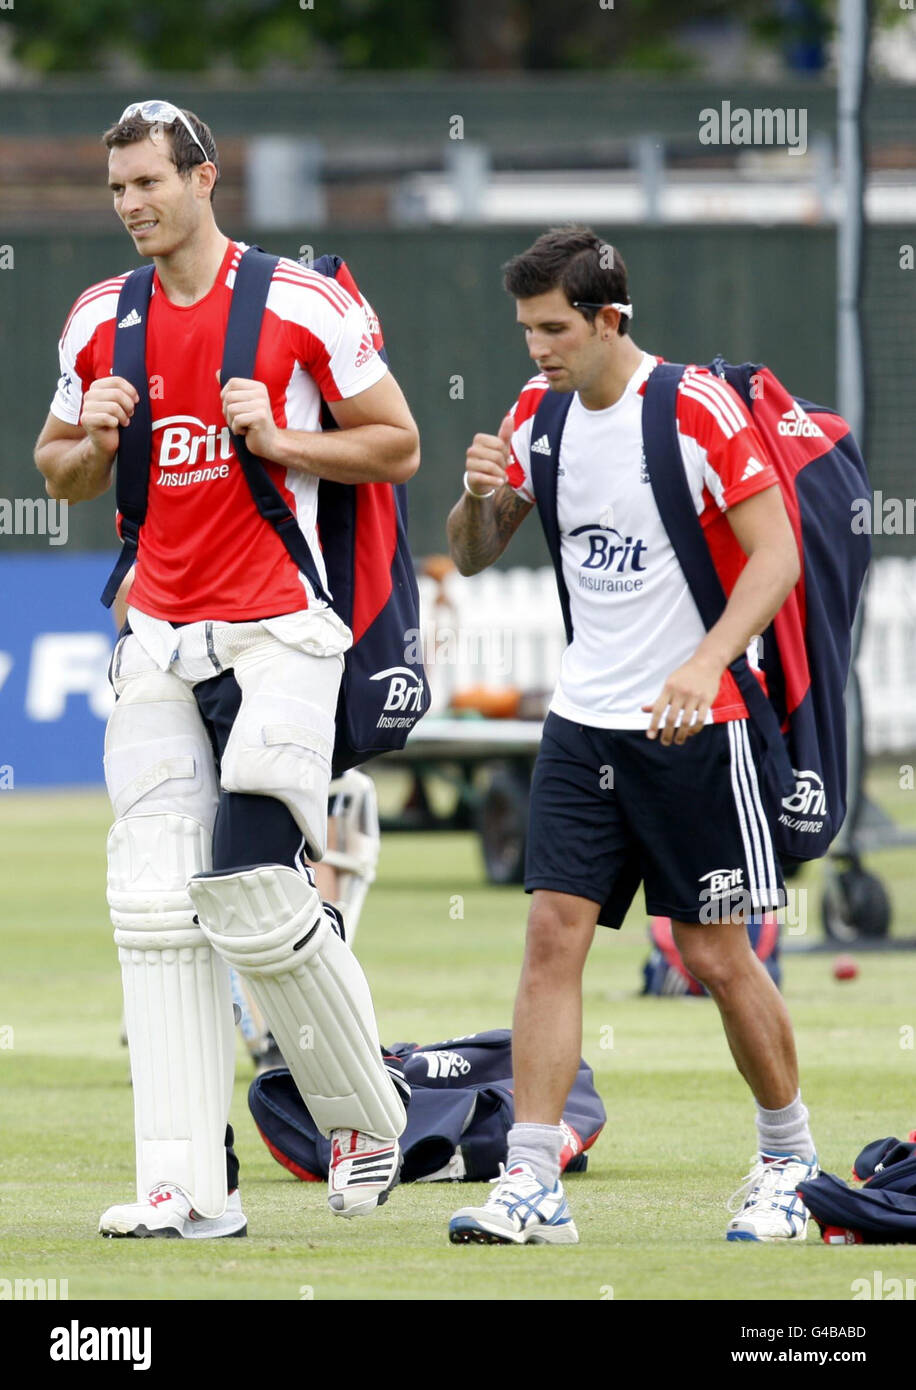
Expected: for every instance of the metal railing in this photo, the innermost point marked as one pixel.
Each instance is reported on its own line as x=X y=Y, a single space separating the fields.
x=502 y=629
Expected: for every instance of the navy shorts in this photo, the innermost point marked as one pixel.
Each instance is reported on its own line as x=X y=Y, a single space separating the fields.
x=611 y=809
x=248 y=829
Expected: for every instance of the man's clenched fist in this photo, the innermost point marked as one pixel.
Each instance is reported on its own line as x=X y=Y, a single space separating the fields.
x=487 y=458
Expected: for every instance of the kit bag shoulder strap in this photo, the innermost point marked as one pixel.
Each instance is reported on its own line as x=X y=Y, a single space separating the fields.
x=249 y=298
x=134 y=439
x=544 y=452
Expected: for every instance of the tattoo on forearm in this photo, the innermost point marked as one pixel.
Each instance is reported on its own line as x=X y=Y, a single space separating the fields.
x=479 y=532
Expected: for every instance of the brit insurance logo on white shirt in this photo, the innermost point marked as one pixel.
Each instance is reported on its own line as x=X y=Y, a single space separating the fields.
x=614 y=561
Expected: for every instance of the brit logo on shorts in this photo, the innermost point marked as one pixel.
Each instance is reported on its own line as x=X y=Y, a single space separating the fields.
x=722 y=882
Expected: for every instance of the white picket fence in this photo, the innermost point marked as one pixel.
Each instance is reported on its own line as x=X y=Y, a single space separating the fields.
x=504 y=628
x=887 y=658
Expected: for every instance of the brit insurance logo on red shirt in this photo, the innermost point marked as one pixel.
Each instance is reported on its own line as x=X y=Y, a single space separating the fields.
x=191 y=451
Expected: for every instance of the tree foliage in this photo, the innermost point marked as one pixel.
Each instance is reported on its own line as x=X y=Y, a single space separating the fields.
x=269 y=36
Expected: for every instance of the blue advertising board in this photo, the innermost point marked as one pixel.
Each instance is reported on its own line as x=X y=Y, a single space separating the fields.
x=56 y=641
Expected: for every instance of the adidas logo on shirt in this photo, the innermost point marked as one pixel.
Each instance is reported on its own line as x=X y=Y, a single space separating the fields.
x=753 y=466
x=795 y=422
x=365 y=351
x=541 y=446
x=129 y=320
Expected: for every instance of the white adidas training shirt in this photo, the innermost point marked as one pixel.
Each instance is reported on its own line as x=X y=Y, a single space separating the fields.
x=634 y=619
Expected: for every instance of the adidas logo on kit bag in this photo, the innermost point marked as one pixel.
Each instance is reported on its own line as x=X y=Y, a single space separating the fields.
x=796 y=422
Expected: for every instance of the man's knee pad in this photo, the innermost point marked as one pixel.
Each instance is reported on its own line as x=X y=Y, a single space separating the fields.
x=157 y=753
x=177 y=1007
x=268 y=922
x=283 y=736
x=355 y=854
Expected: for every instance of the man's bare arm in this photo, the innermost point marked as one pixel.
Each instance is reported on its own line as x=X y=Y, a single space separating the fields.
x=764 y=532
x=69 y=462
x=377 y=439
x=76 y=460
x=480 y=529
x=484 y=520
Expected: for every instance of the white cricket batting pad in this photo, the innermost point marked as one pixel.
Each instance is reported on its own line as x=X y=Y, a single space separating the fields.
x=177 y=1007
x=354 y=808
x=268 y=922
x=282 y=738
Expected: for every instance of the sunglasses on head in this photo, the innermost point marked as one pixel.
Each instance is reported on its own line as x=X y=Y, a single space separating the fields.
x=162 y=111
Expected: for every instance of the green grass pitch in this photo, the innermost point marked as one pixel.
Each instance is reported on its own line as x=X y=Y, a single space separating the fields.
x=442 y=950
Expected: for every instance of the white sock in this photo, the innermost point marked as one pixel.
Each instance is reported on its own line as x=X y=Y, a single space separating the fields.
x=785 y=1131
x=539 y=1146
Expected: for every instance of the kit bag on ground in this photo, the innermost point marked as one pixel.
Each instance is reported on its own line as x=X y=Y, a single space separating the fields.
x=882 y=1211
x=665 y=973
x=461 y=1109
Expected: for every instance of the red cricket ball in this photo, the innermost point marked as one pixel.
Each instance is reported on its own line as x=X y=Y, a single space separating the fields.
x=845 y=968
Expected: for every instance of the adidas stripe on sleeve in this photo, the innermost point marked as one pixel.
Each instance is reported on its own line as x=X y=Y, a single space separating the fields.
x=719 y=439
x=520 y=446
x=76 y=349
x=330 y=331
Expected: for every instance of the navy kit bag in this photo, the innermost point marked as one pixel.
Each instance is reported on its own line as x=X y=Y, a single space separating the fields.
x=363 y=527
x=461 y=1110
x=806 y=649
x=882 y=1211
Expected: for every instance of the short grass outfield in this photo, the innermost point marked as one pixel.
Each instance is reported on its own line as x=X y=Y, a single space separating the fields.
x=442 y=950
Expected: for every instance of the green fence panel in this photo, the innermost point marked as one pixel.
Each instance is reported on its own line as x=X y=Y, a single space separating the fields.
x=766 y=294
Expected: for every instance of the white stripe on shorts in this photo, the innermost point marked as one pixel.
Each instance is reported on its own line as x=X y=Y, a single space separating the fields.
x=771 y=888
x=749 y=856
x=755 y=832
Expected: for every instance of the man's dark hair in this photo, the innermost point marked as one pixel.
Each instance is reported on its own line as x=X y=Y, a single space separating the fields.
x=185 y=153
x=575 y=260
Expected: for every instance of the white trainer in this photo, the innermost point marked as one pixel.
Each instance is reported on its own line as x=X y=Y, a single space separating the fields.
x=767 y=1204
x=519 y=1211
x=363 y=1171
x=167 y=1212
